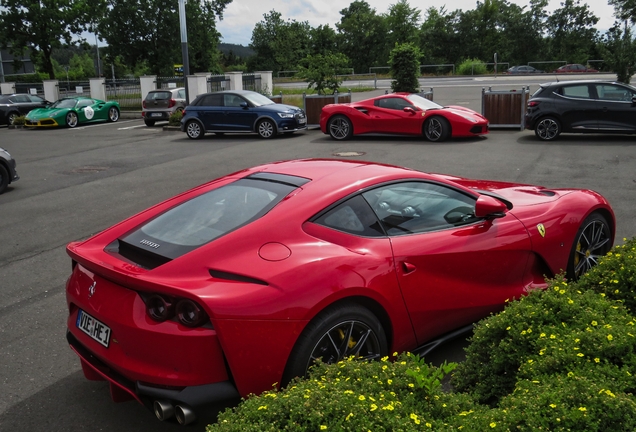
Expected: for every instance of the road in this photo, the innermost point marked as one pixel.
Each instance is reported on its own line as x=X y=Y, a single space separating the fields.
x=76 y=182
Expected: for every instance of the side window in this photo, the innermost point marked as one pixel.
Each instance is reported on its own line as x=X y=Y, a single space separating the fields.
x=181 y=94
x=393 y=103
x=22 y=99
x=415 y=207
x=353 y=216
x=576 y=91
x=36 y=99
x=84 y=103
x=231 y=100
x=213 y=100
x=611 y=92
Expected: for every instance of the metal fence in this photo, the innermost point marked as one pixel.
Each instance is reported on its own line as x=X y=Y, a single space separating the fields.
x=218 y=83
x=74 y=88
x=252 y=82
x=30 y=88
x=170 y=82
x=359 y=80
x=125 y=91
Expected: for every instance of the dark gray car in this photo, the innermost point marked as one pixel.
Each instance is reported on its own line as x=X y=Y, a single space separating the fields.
x=15 y=105
x=160 y=104
x=8 y=173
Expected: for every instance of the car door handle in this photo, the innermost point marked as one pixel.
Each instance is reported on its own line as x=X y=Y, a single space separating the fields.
x=408 y=268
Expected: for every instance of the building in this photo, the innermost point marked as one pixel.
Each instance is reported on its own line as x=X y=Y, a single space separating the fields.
x=7 y=67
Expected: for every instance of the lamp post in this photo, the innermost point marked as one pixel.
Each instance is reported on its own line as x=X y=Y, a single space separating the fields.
x=184 y=47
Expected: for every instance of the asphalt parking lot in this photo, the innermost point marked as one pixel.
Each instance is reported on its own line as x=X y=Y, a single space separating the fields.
x=76 y=182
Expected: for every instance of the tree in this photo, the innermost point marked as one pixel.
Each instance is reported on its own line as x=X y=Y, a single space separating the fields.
x=42 y=25
x=402 y=23
x=625 y=9
x=322 y=40
x=619 y=51
x=439 y=38
x=571 y=32
x=322 y=71
x=405 y=68
x=362 y=36
x=278 y=44
x=148 y=31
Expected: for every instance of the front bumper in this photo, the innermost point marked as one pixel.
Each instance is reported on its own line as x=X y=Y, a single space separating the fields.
x=46 y=122
x=123 y=389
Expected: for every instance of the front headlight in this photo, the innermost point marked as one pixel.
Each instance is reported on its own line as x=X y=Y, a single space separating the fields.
x=467 y=117
x=286 y=115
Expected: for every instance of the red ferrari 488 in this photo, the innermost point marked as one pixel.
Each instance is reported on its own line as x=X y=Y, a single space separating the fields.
x=401 y=114
x=243 y=282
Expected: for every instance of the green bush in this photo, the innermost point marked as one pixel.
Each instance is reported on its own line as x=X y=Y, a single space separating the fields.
x=405 y=68
x=472 y=67
x=19 y=121
x=175 y=118
x=404 y=395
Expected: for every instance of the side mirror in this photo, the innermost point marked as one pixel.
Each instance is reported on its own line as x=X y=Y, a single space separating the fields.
x=243 y=105
x=409 y=110
x=489 y=207
x=633 y=100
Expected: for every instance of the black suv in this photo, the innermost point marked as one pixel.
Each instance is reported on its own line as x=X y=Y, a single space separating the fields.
x=8 y=173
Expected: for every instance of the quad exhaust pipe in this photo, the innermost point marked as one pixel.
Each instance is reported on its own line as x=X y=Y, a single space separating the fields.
x=184 y=415
x=165 y=410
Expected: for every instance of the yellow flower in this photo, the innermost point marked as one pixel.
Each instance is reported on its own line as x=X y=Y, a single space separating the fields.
x=395 y=354
x=272 y=395
x=594 y=323
x=348 y=392
x=583 y=409
x=552 y=336
x=374 y=407
x=411 y=385
x=385 y=358
x=349 y=416
x=361 y=397
x=597 y=360
x=552 y=406
x=542 y=335
x=262 y=407
x=580 y=354
x=493 y=424
x=610 y=337
x=323 y=427
x=389 y=381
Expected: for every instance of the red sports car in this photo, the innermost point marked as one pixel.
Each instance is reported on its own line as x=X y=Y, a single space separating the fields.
x=241 y=283
x=575 y=68
x=403 y=114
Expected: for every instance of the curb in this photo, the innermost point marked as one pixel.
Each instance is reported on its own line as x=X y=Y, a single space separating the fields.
x=172 y=128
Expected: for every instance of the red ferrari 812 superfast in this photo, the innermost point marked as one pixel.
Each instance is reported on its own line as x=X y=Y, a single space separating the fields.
x=241 y=283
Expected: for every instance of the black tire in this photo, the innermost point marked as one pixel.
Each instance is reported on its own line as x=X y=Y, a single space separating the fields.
x=330 y=336
x=149 y=123
x=547 y=129
x=113 y=114
x=266 y=129
x=194 y=130
x=11 y=118
x=593 y=240
x=4 y=178
x=340 y=128
x=71 y=119
x=437 y=129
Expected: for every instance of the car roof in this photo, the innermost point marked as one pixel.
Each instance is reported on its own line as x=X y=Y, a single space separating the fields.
x=554 y=83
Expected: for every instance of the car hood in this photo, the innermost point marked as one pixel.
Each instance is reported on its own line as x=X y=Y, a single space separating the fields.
x=40 y=113
x=518 y=194
x=464 y=112
x=280 y=108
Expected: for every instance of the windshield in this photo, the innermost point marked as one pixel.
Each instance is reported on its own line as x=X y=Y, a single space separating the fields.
x=423 y=103
x=258 y=99
x=64 y=103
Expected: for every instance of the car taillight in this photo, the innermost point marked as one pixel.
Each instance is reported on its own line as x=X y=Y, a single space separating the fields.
x=185 y=311
x=183 y=113
x=143 y=104
x=172 y=103
x=532 y=104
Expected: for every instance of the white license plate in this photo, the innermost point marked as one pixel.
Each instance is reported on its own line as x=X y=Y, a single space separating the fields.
x=156 y=115
x=302 y=120
x=93 y=327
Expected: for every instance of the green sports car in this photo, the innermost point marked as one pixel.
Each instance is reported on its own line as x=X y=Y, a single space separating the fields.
x=73 y=111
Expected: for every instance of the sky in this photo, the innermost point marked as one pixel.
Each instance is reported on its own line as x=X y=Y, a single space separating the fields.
x=240 y=16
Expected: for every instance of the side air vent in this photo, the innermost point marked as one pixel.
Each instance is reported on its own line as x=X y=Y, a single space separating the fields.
x=217 y=274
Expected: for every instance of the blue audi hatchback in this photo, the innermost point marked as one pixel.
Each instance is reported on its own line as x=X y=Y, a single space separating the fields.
x=240 y=111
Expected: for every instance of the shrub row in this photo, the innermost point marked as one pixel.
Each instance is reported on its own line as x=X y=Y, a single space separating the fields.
x=561 y=359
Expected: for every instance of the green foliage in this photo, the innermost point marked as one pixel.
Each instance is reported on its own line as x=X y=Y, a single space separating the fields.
x=175 y=118
x=351 y=396
x=571 y=30
x=19 y=120
x=619 y=51
x=472 y=67
x=402 y=22
x=42 y=26
x=405 y=68
x=321 y=71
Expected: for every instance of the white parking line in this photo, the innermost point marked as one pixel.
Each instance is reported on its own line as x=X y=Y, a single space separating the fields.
x=132 y=127
x=102 y=125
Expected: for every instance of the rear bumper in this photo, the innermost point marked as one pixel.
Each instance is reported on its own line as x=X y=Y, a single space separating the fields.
x=123 y=389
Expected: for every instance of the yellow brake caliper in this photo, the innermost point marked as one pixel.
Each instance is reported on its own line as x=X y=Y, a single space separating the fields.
x=351 y=342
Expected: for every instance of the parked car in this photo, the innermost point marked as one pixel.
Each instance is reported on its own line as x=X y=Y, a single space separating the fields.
x=241 y=283
x=401 y=114
x=161 y=104
x=581 y=107
x=523 y=69
x=574 y=68
x=232 y=111
x=72 y=112
x=16 y=105
x=8 y=173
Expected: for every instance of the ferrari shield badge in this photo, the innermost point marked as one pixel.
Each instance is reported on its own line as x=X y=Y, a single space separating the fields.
x=541 y=230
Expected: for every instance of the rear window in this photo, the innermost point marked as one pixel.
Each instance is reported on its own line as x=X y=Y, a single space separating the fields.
x=201 y=220
x=160 y=95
